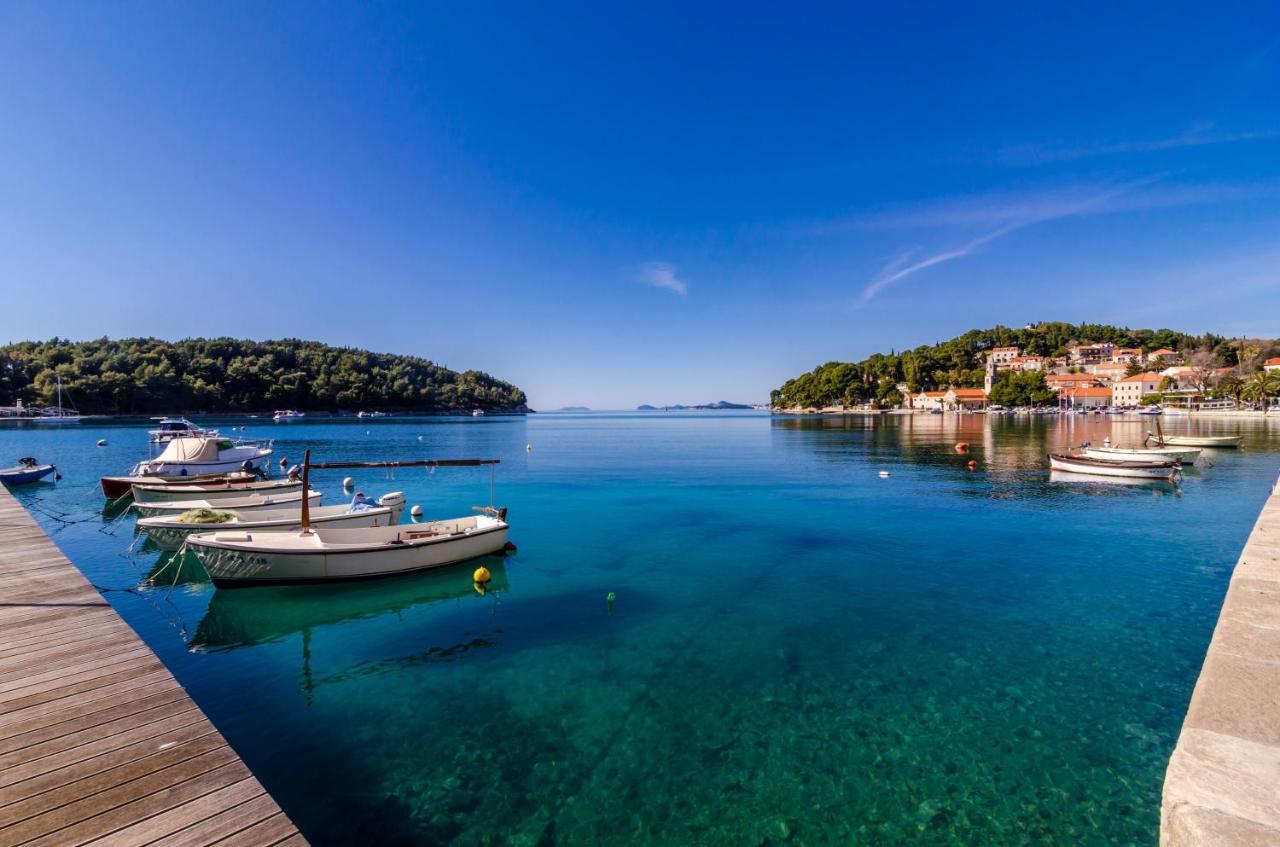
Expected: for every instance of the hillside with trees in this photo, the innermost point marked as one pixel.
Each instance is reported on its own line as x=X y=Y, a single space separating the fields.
x=959 y=363
x=151 y=376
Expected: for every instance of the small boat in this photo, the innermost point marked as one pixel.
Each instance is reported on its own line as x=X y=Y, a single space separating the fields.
x=477 y=413
x=1165 y=454
x=1150 y=410
x=144 y=492
x=203 y=456
x=285 y=415
x=1201 y=440
x=238 y=557
x=170 y=531
x=117 y=487
x=247 y=503
x=58 y=414
x=1100 y=467
x=371 y=414
x=27 y=470
x=168 y=429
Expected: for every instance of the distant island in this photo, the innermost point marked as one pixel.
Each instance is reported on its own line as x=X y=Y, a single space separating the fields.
x=151 y=376
x=571 y=409
x=886 y=379
x=723 y=404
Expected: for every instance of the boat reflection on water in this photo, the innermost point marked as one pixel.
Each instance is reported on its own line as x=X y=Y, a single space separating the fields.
x=174 y=568
x=245 y=617
x=1087 y=483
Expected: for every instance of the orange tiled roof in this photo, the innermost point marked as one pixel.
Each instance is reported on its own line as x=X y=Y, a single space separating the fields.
x=969 y=392
x=1146 y=377
x=1275 y=360
x=1086 y=391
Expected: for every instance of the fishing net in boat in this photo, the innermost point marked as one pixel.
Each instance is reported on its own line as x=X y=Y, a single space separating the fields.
x=206 y=516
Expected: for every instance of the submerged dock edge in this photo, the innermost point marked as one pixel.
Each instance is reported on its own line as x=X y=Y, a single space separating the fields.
x=1222 y=786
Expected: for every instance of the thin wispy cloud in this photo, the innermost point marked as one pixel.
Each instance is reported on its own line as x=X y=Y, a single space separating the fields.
x=662 y=275
x=1008 y=216
x=1200 y=135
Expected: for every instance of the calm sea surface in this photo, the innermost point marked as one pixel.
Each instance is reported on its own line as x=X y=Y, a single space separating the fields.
x=799 y=651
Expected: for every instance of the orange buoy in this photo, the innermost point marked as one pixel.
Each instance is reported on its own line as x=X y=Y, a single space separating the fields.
x=973 y=465
x=962 y=446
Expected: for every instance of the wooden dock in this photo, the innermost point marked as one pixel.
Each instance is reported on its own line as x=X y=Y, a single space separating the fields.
x=99 y=744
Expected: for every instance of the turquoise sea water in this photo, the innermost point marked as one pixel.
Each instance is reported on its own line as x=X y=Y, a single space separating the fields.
x=800 y=652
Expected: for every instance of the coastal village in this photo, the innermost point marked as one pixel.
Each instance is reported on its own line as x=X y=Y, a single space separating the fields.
x=1095 y=377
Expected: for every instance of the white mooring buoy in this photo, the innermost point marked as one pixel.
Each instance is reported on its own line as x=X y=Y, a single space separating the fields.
x=416 y=511
x=348 y=482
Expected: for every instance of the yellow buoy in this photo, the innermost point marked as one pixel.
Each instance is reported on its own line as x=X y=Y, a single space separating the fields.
x=481 y=576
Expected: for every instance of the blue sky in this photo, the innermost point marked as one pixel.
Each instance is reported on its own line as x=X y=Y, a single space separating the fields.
x=611 y=205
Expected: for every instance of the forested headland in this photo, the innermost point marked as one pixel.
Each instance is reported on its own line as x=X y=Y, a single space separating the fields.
x=959 y=363
x=151 y=376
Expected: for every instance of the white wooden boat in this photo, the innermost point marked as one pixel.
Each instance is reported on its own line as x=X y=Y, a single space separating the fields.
x=211 y=491
x=246 y=503
x=169 y=532
x=203 y=456
x=1167 y=454
x=1100 y=467
x=1202 y=440
x=239 y=558
x=27 y=470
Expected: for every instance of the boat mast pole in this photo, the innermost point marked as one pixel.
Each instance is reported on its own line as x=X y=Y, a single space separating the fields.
x=306 y=490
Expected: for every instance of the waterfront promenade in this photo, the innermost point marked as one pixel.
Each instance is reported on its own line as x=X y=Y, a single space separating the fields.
x=98 y=742
x=1223 y=782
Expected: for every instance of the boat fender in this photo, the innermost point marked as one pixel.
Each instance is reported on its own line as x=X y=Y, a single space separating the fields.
x=284 y=460
x=509 y=547
x=481 y=576
x=57 y=476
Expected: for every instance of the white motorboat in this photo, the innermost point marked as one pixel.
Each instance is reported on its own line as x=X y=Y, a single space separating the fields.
x=1167 y=454
x=170 y=531
x=203 y=456
x=1201 y=440
x=1100 y=467
x=168 y=429
x=477 y=413
x=247 y=503
x=237 y=557
x=144 y=492
x=371 y=414
x=284 y=415
x=1150 y=410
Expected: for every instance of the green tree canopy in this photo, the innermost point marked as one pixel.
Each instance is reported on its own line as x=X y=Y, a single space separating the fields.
x=151 y=376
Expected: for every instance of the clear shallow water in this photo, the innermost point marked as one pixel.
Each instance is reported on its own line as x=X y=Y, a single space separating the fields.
x=800 y=652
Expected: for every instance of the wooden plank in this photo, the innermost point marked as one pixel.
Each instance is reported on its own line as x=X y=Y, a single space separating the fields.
x=98 y=742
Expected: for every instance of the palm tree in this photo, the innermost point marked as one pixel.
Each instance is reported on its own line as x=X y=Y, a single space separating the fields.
x=1232 y=386
x=1262 y=386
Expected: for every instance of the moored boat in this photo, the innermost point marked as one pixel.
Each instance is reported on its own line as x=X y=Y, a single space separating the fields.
x=239 y=558
x=212 y=491
x=170 y=531
x=168 y=429
x=284 y=415
x=117 y=487
x=1226 y=441
x=1103 y=467
x=1168 y=454
x=204 y=456
x=27 y=470
x=247 y=503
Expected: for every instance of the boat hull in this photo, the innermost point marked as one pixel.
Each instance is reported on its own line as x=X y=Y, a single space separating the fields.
x=1203 y=440
x=116 y=487
x=212 y=492
x=25 y=475
x=1151 y=454
x=169 y=534
x=234 y=460
x=231 y=504
x=1095 y=467
x=236 y=560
